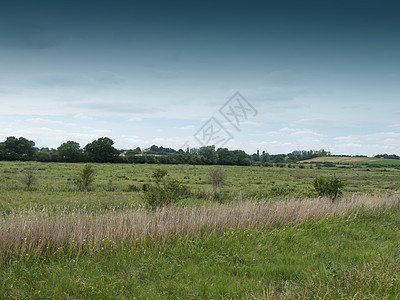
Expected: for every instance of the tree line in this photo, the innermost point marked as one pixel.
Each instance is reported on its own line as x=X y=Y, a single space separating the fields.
x=102 y=150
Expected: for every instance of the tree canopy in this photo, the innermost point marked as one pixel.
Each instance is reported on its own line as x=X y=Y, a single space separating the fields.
x=70 y=152
x=17 y=149
x=101 y=150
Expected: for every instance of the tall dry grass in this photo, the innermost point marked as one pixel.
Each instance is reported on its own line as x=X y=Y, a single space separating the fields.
x=44 y=232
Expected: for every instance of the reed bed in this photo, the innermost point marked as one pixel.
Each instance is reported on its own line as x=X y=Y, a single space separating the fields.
x=42 y=232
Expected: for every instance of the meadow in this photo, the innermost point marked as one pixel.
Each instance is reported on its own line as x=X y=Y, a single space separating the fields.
x=267 y=237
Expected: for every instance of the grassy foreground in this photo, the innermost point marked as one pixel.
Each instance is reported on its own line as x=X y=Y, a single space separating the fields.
x=323 y=250
x=268 y=239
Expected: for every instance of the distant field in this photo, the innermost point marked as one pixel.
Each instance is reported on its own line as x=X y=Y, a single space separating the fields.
x=355 y=160
x=111 y=189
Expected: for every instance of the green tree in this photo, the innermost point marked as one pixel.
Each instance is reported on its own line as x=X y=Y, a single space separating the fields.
x=70 y=152
x=101 y=150
x=225 y=156
x=17 y=149
x=208 y=154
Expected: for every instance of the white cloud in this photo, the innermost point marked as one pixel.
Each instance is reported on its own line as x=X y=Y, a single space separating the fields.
x=51 y=122
x=83 y=117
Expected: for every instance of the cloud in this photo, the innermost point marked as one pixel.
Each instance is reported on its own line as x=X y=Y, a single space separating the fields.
x=250 y=123
x=135 y=119
x=84 y=117
x=101 y=131
x=188 y=127
x=47 y=121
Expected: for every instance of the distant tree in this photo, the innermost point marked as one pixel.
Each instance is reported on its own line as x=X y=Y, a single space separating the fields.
x=208 y=154
x=240 y=158
x=224 y=156
x=387 y=156
x=101 y=150
x=17 y=149
x=70 y=152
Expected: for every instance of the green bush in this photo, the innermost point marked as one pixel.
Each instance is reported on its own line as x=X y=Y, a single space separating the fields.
x=164 y=193
x=159 y=174
x=328 y=187
x=28 y=178
x=217 y=177
x=85 y=177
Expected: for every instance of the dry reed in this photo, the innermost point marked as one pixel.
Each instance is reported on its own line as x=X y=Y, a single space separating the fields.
x=41 y=231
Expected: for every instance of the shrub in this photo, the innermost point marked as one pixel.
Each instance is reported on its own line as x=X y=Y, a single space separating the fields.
x=28 y=178
x=217 y=177
x=145 y=187
x=85 y=177
x=328 y=187
x=164 y=193
x=159 y=174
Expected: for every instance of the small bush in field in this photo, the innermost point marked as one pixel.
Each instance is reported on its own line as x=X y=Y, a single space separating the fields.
x=164 y=193
x=159 y=174
x=217 y=177
x=28 y=178
x=328 y=187
x=85 y=177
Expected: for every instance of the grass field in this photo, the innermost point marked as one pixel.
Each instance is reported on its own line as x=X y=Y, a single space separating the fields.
x=269 y=237
x=368 y=161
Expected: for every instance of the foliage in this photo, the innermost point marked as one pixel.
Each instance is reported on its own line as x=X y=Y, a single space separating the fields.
x=28 y=178
x=85 y=177
x=70 y=152
x=329 y=258
x=159 y=174
x=17 y=149
x=387 y=156
x=232 y=157
x=165 y=193
x=101 y=150
x=217 y=177
x=208 y=155
x=328 y=187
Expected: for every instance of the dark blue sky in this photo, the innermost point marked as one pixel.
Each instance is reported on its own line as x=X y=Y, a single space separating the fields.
x=322 y=74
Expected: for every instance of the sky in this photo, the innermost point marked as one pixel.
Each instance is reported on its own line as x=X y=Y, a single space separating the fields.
x=274 y=76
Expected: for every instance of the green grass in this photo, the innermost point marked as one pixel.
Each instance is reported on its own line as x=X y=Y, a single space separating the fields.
x=366 y=161
x=55 y=187
x=351 y=256
x=342 y=256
